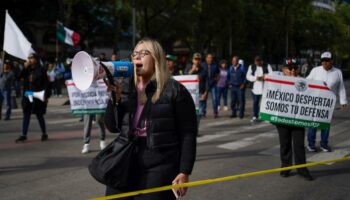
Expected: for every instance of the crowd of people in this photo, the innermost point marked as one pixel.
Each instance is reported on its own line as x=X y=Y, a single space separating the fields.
x=153 y=91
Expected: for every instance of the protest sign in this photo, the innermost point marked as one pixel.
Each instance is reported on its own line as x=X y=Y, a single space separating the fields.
x=297 y=102
x=191 y=82
x=91 y=101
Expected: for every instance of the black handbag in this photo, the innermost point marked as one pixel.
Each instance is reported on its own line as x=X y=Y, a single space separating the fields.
x=112 y=165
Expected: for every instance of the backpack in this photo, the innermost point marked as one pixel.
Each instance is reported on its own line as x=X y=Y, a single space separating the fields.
x=264 y=67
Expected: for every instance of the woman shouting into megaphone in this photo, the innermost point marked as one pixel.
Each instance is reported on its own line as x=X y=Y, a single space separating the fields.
x=160 y=113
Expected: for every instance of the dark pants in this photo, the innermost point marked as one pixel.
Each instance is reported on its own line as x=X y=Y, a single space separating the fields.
x=58 y=86
x=237 y=97
x=26 y=121
x=221 y=91
x=256 y=108
x=152 y=168
x=291 y=142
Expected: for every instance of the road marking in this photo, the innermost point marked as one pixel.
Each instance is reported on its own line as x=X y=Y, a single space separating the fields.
x=242 y=143
x=339 y=151
x=63 y=121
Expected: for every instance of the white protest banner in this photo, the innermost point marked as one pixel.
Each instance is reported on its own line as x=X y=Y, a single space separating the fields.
x=191 y=82
x=297 y=102
x=91 y=101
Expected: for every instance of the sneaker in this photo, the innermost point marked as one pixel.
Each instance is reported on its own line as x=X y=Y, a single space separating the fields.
x=219 y=107
x=225 y=108
x=233 y=116
x=311 y=148
x=216 y=115
x=21 y=139
x=86 y=148
x=325 y=148
x=103 y=144
x=7 y=118
x=254 y=119
x=44 y=137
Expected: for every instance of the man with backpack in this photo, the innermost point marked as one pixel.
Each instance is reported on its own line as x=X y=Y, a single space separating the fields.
x=256 y=74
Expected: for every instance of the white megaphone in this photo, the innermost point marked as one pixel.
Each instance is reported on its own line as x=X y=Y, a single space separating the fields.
x=38 y=95
x=86 y=69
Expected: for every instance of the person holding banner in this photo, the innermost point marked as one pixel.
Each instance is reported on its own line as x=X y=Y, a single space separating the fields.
x=291 y=137
x=153 y=112
x=333 y=78
x=34 y=80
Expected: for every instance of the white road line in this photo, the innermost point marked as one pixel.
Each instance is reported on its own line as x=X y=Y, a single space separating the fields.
x=339 y=151
x=63 y=121
x=242 y=143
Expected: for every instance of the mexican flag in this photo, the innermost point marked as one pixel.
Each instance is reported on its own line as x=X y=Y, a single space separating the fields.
x=67 y=35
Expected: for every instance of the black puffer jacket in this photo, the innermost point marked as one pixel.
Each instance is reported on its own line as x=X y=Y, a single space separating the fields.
x=171 y=121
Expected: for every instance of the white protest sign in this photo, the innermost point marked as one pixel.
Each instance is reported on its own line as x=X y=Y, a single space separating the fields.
x=297 y=102
x=91 y=101
x=191 y=82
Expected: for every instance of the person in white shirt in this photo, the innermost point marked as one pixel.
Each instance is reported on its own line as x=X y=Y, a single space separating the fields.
x=256 y=74
x=333 y=78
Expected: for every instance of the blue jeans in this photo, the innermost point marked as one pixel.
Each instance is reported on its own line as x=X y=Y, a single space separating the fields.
x=203 y=104
x=221 y=91
x=256 y=108
x=6 y=95
x=237 y=96
x=311 y=136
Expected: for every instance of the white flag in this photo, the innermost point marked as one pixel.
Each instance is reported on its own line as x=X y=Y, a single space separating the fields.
x=15 y=43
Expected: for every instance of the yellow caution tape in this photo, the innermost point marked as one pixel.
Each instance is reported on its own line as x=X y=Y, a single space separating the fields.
x=217 y=180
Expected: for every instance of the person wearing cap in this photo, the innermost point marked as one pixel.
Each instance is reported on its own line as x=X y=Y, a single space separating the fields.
x=171 y=63
x=35 y=79
x=292 y=138
x=237 y=82
x=7 y=78
x=256 y=74
x=196 y=68
x=333 y=78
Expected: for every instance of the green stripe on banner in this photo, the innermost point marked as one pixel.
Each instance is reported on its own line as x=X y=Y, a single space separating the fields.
x=88 y=111
x=293 y=122
x=61 y=33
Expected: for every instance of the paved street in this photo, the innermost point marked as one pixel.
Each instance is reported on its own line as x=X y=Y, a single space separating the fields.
x=57 y=170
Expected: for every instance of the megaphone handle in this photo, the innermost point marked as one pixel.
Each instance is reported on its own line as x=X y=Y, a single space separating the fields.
x=111 y=81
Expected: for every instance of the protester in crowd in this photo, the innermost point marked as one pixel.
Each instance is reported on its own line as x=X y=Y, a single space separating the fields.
x=256 y=74
x=114 y=57
x=306 y=68
x=34 y=80
x=59 y=71
x=212 y=69
x=51 y=77
x=197 y=69
x=333 y=78
x=237 y=83
x=87 y=131
x=171 y=63
x=291 y=137
x=7 y=77
x=170 y=157
x=17 y=83
x=102 y=57
x=181 y=64
x=222 y=84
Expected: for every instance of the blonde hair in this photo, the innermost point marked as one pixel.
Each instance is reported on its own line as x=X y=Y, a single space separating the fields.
x=161 y=74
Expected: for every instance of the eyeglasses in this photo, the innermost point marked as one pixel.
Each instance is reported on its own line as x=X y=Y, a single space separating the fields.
x=293 y=67
x=141 y=53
